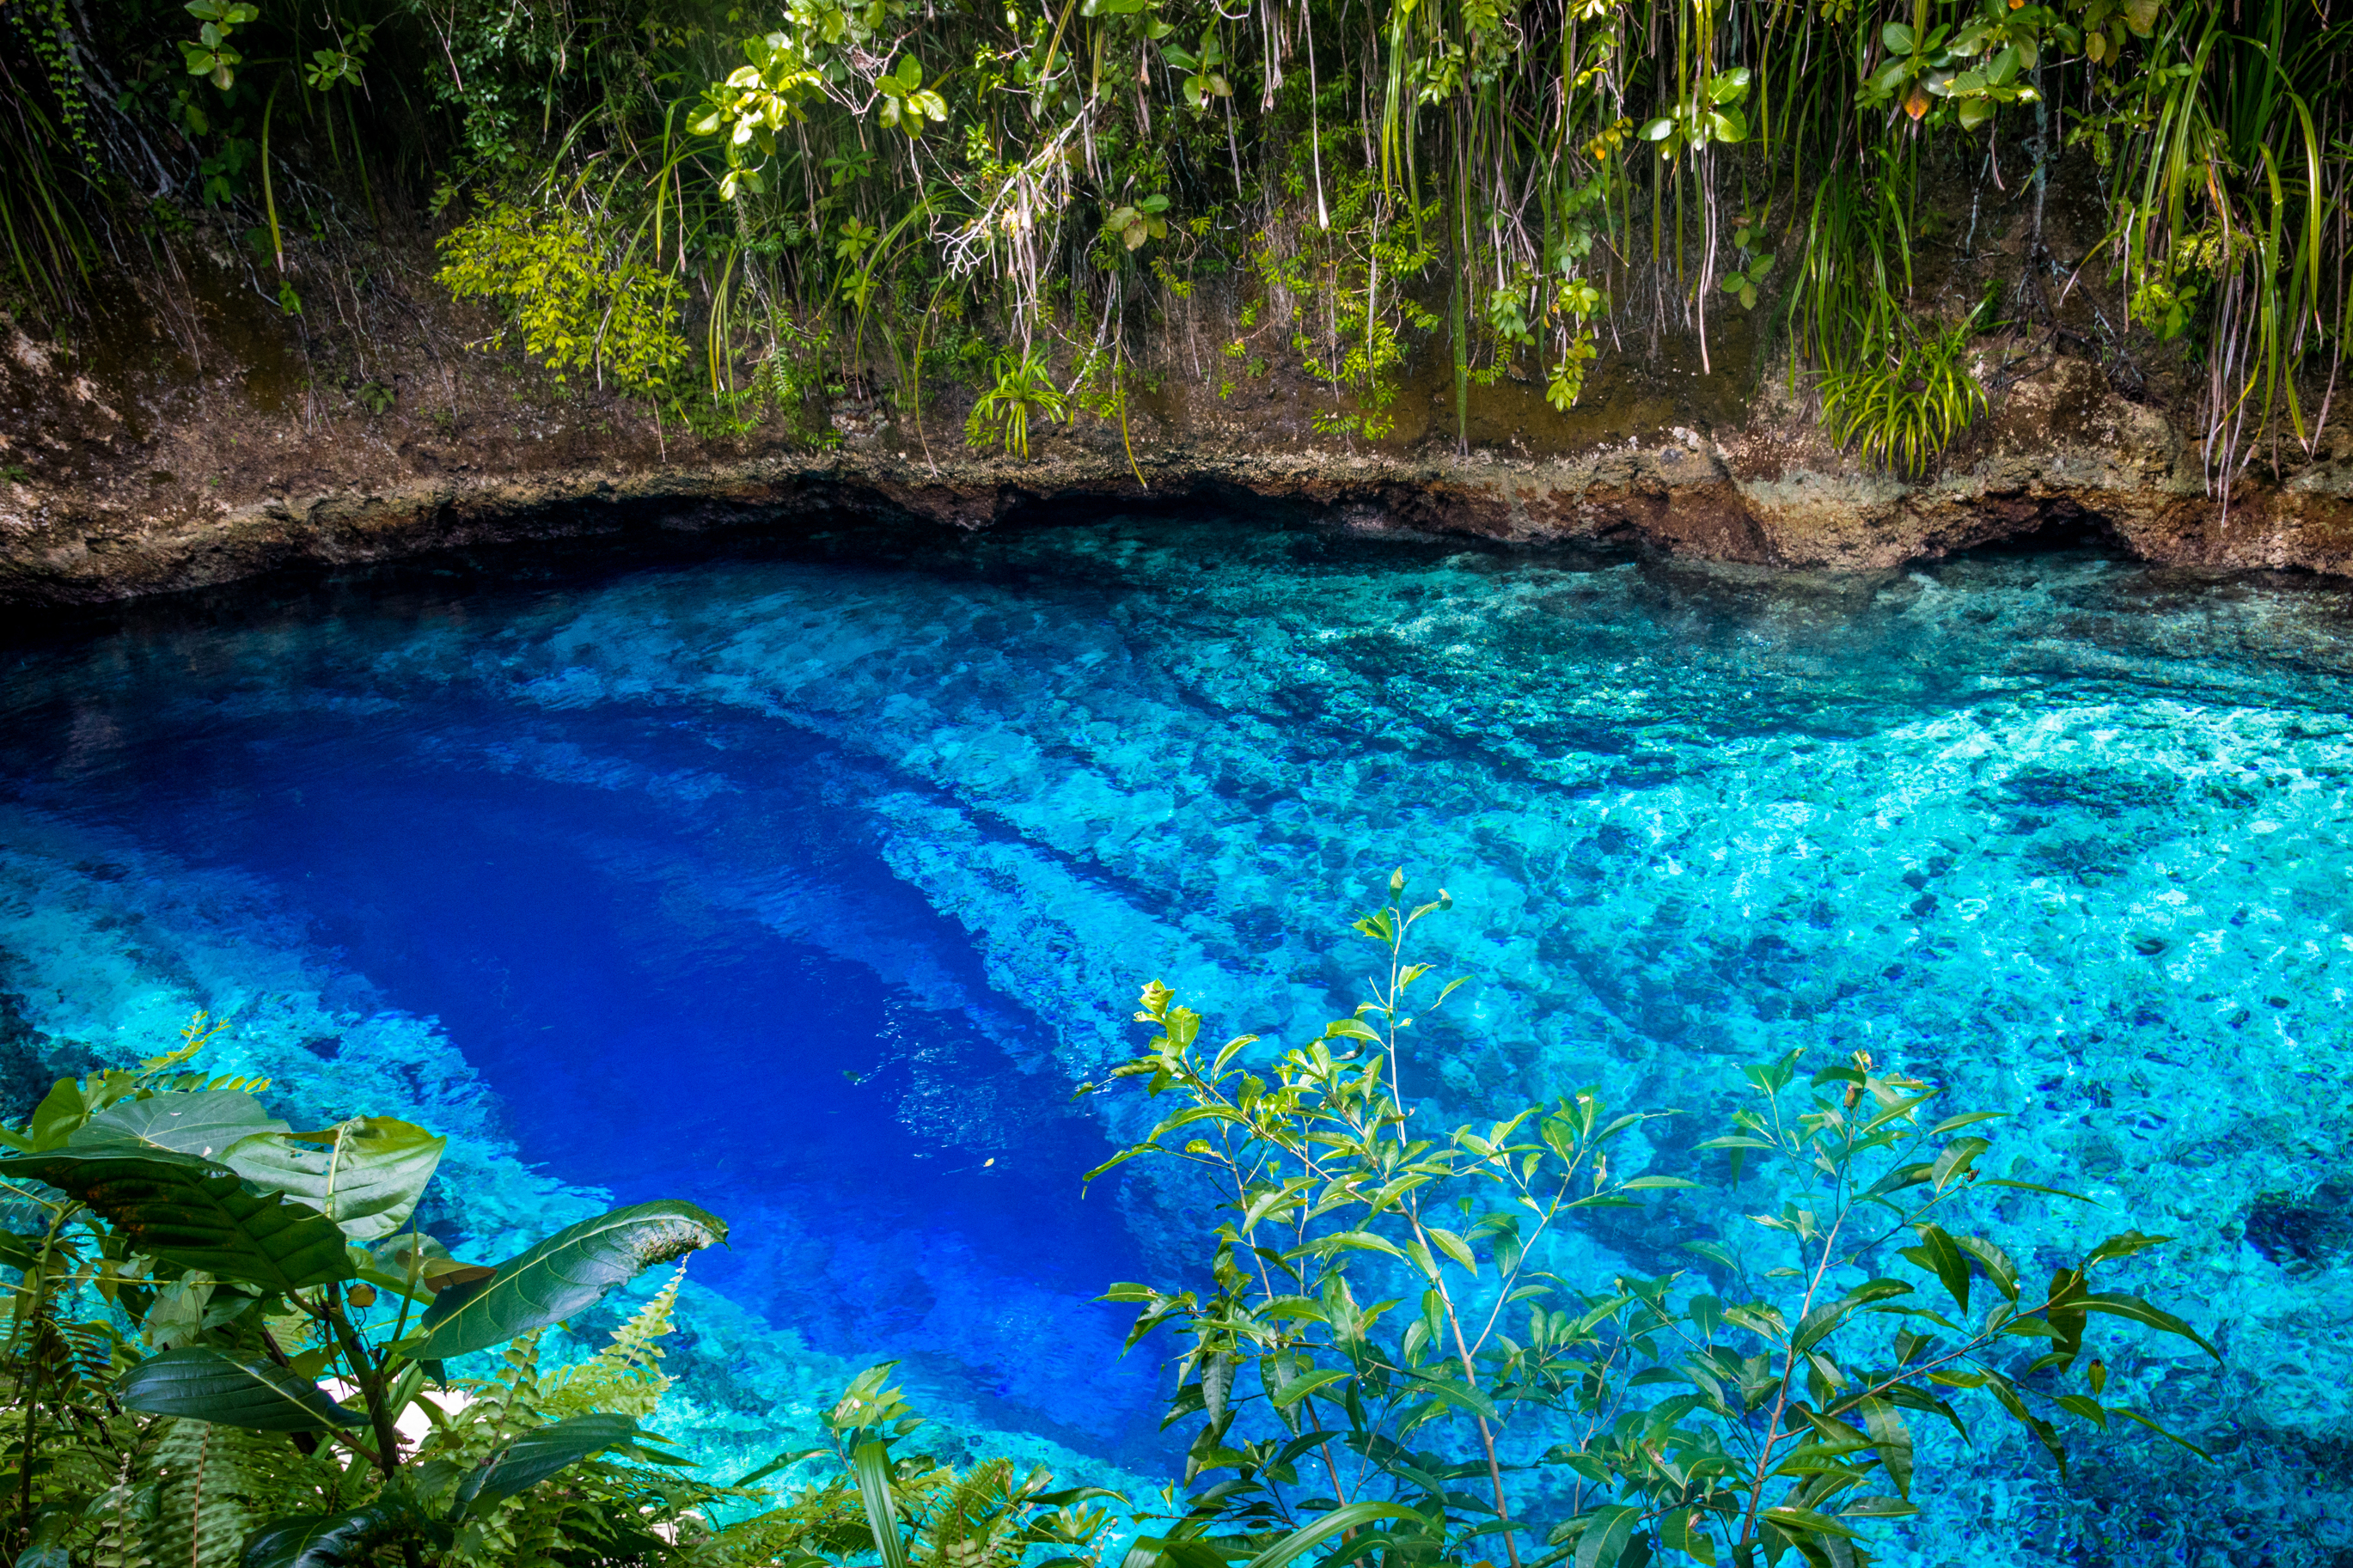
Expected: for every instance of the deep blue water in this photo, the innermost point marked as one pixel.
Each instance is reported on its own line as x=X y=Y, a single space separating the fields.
x=806 y=881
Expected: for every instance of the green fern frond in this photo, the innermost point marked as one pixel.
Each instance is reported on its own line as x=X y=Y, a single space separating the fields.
x=200 y=1519
x=125 y=1515
x=625 y=1376
x=213 y=1486
x=509 y=1404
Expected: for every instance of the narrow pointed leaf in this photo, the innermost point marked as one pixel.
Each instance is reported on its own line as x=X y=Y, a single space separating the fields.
x=317 y=1540
x=871 y=1463
x=2135 y=1416
x=1299 y=1388
x=2139 y=1312
x=539 y=1454
x=1957 y=1158
x=1893 y=1440
x=1604 y=1537
x=1938 y=1253
x=1309 y=1536
x=1800 y=1521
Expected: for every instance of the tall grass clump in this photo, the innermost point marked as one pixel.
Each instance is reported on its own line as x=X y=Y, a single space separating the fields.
x=1906 y=395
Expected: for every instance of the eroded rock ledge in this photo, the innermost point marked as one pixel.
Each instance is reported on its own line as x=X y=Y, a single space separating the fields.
x=152 y=484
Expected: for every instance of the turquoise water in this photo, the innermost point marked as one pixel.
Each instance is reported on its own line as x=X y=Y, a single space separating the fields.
x=806 y=883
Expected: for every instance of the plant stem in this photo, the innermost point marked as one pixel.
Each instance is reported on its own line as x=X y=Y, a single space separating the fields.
x=371 y=1381
x=1773 y=1433
x=269 y=197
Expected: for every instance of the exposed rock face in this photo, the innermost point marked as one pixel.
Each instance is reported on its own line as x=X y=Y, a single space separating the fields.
x=141 y=466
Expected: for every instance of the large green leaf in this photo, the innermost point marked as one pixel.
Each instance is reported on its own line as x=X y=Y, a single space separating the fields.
x=1603 y=1543
x=194 y=1213
x=204 y=1124
x=568 y=1272
x=537 y=1455
x=318 y=1540
x=365 y=1174
x=205 y=1385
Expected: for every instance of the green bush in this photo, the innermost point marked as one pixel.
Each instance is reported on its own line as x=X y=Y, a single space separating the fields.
x=189 y=1269
x=576 y=305
x=1384 y=1331
x=1907 y=396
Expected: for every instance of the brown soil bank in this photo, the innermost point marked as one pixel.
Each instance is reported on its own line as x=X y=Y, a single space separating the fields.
x=163 y=448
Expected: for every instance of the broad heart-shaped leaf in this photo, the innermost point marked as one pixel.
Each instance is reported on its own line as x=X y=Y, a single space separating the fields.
x=365 y=1175
x=567 y=1272
x=537 y=1455
x=202 y=1384
x=194 y=1213
x=204 y=1124
x=317 y=1540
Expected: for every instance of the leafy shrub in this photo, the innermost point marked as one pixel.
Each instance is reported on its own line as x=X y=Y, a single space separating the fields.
x=1023 y=388
x=189 y=1268
x=912 y=1509
x=1384 y=1330
x=1389 y=1356
x=1344 y=290
x=576 y=305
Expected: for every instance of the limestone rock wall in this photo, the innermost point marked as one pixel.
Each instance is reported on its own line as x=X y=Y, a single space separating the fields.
x=151 y=453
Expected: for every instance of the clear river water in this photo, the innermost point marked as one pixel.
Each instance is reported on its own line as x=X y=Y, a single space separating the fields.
x=805 y=881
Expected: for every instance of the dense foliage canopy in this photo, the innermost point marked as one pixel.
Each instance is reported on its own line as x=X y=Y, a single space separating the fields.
x=879 y=187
